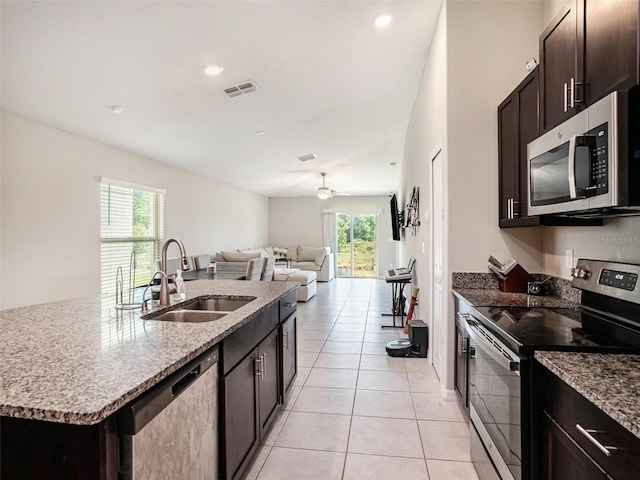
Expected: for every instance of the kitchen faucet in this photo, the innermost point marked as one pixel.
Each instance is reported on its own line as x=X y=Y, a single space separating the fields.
x=144 y=308
x=164 y=284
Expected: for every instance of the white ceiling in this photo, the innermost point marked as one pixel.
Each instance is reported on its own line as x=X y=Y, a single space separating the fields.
x=329 y=83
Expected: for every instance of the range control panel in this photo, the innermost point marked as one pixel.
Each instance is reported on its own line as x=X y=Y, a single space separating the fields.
x=616 y=279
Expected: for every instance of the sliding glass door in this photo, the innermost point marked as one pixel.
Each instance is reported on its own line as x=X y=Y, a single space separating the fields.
x=357 y=249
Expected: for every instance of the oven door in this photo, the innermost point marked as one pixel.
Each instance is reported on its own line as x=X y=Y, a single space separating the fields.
x=495 y=403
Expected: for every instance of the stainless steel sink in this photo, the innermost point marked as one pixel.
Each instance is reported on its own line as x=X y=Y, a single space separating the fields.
x=189 y=316
x=217 y=304
x=202 y=310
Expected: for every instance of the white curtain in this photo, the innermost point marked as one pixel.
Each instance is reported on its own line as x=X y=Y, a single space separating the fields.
x=329 y=232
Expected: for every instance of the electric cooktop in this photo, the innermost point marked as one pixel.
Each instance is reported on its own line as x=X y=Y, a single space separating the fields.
x=527 y=329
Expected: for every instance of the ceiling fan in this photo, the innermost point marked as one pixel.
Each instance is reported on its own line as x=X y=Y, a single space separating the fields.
x=325 y=192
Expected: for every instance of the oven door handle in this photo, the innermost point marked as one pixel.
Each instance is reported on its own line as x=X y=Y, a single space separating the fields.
x=512 y=366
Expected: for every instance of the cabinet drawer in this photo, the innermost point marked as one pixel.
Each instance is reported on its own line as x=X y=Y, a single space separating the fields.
x=570 y=409
x=288 y=304
x=237 y=345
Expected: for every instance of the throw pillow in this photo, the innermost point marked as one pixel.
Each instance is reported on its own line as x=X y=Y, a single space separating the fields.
x=307 y=254
x=322 y=253
x=239 y=256
x=280 y=252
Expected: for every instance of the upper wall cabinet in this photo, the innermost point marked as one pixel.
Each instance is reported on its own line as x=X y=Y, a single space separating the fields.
x=589 y=50
x=517 y=126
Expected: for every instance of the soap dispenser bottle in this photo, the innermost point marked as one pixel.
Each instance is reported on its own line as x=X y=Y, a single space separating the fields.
x=181 y=293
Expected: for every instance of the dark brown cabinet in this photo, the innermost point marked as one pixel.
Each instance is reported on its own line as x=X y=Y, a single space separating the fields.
x=38 y=449
x=563 y=457
x=289 y=355
x=240 y=419
x=561 y=66
x=589 y=50
x=258 y=366
x=517 y=126
x=461 y=364
x=250 y=400
x=578 y=440
x=268 y=354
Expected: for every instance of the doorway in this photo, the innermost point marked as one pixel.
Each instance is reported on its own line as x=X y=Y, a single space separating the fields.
x=357 y=247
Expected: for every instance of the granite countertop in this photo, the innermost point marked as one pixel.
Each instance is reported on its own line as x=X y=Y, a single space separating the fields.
x=481 y=290
x=78 y=361
x=479 y=297
x=610 y=381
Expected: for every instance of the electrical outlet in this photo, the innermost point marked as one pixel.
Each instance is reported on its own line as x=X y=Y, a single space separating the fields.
x=568 y=258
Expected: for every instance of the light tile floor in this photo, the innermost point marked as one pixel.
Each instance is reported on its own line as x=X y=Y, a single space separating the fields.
x=354 y=412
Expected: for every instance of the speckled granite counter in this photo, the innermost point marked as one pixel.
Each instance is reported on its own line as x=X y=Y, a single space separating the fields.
x=77 y=361
x=611 y=382
x=481 y=289
x=478 y=297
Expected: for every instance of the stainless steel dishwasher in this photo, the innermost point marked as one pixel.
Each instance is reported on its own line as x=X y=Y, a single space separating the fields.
x=170 y=432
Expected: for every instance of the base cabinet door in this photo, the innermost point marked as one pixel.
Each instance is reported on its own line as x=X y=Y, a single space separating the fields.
x=240 y=397
x=563 y=458
x=268 y=386
x=289 y=355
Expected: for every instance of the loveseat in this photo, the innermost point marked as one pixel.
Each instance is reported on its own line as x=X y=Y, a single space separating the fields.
x=315 y=259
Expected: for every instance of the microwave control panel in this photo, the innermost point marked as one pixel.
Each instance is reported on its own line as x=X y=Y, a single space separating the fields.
x=600 y=160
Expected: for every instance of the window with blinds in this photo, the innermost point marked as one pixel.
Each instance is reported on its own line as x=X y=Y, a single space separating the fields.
x=131 y=236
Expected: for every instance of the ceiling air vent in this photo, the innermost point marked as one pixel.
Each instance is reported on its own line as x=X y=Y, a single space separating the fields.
x=241 y=89
x=306 y=158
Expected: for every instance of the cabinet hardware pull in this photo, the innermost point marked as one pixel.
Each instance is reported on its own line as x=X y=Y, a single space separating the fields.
x=573 y=92
x=286 y=338
x=264 y=365
x=290 y=305
x=566 y=101
x=587 y=433
x=463 y=345
x=258 y=366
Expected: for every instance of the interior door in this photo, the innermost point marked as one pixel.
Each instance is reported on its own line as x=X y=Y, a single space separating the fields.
x=437 y=247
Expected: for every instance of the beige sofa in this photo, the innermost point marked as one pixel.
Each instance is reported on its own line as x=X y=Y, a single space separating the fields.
x=314 y=259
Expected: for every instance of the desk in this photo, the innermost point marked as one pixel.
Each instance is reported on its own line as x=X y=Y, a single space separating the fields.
x=397 y=309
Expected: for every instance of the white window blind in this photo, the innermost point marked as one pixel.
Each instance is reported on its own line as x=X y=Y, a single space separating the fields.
x=131 y=236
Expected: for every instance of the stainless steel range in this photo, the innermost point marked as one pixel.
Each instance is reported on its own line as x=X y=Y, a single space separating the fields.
x=502 y=342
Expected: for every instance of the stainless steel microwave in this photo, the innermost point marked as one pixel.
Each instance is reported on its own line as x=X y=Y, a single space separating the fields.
x=589 y=166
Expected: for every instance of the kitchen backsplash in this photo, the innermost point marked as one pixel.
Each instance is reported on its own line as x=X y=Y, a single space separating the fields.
x=559 y=286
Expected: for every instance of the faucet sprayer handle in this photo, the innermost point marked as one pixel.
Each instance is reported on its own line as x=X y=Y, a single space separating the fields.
x=185 y=263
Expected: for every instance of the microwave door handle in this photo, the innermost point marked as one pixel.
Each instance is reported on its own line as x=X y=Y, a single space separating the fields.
x=573 y=193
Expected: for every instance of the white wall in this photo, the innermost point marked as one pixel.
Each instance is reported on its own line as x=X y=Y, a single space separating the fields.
x=298 y=221
x=50 y=201
x=427 y=131
x=476 y=60
x=617 y=240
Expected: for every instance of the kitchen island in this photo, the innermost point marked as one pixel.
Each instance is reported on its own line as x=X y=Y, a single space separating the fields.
x=77 y=362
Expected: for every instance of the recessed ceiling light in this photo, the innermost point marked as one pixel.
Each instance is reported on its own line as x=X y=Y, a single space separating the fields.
x=116 y=109
x=260 y=132
x=382 y=20
x=213 y=70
